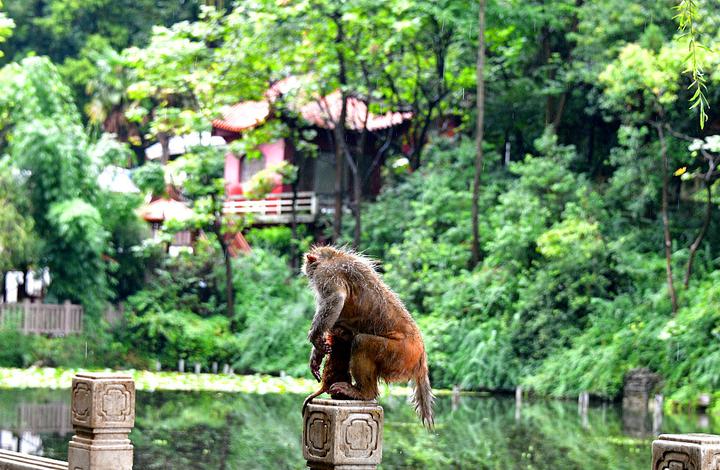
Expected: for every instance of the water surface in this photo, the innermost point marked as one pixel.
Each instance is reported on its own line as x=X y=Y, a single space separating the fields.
x=200 y=430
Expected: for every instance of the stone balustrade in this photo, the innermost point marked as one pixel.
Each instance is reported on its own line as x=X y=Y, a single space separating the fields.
x=337 y=434
x=342 y=435
x=686 y=452
x=102 y=415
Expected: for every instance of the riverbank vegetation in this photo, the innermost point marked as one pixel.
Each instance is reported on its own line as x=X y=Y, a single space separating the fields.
x=598 y=226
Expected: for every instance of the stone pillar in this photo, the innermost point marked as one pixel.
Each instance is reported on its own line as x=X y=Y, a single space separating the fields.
x=639 y=385
x=103 y=413
x=686 y=452
x=343 y=435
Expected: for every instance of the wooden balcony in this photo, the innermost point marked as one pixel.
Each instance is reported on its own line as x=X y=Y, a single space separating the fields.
x=276 y=208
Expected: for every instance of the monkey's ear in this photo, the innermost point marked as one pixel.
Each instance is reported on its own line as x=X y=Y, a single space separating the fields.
x=310 y=259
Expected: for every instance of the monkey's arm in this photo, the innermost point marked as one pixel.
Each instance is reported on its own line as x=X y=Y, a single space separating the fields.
x=329 y=305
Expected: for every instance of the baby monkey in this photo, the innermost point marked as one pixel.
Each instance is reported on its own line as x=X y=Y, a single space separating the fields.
x=365 y=331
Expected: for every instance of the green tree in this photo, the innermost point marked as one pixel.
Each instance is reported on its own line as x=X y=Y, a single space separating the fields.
x=6 y=27
x=60 y=28
x=49 y=147
x=479 y=134
x=647 y=83
x=19 y=244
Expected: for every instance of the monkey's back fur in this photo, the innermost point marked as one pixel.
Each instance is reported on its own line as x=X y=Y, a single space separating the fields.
x=385 y=341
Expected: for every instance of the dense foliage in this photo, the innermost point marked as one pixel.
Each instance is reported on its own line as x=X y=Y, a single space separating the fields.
x=569 y=296
x=598 y=228
x=181 y=314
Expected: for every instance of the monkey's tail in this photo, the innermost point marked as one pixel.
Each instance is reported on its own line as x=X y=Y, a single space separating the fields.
x=310 y=398
x=423 y=397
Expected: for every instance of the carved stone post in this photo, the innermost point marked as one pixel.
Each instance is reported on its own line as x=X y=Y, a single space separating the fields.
x=343 y=435
x=686 y=452
x=103 y=413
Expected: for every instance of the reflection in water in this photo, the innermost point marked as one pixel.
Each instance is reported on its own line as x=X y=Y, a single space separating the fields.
x=30 y=421
x=179 y=431
x=26 y=442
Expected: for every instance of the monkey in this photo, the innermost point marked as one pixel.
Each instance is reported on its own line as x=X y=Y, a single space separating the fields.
x=357 y=312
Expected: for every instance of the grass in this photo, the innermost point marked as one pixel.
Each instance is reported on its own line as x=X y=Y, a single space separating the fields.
x=60 y=378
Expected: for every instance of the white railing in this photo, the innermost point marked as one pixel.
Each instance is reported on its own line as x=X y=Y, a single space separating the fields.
x=275 y=207
x=51 y=319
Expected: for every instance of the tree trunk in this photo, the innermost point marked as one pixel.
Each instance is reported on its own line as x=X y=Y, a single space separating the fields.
x=560 y=109
x=357 y=193
x=475 y=249
x=339 y=171
x=339 y=130
x=545 y=60
x=229 y=288
x=293 y=224
x=701 y=235
x=164 y=140
x=666 y=220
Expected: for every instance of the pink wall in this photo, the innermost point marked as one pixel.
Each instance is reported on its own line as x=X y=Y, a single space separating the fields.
x=232 y=169
x=273 y=153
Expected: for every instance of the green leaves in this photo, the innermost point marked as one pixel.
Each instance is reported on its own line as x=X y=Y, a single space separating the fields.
x=51 y=158
x=76 y=242
x=687 y=14
x=150 y=178
x=6 y=27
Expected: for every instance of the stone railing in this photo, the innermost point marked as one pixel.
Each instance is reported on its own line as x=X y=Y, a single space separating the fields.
x=343 y=435
x=102 y=414
x=348 y=435
x=686 y=452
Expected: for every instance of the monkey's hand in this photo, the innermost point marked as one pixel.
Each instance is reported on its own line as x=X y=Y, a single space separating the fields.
x=319 y=343
x=316 y=358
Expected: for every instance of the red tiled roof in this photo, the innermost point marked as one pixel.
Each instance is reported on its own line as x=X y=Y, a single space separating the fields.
x=283 y=87
x=237 y=244
x=165 y=209
x=323 y=112
x=242 y=116
x=326 y=111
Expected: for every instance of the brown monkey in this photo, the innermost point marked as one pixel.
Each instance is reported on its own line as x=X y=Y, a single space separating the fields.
x=355 y=307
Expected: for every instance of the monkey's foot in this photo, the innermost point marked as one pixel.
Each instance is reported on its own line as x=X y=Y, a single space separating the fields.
x=347 y=390
x=339 y=396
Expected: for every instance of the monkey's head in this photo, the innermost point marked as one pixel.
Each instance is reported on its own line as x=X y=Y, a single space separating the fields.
x=316 y=255
x=319 y=254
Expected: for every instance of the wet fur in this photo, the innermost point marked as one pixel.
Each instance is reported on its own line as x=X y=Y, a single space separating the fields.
x=357 y=313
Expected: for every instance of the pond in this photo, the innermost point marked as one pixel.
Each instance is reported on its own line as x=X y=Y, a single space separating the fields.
x=191 y=430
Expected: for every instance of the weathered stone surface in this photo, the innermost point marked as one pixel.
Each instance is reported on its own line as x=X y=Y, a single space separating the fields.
x=686 y=452
x=103 y=414
x=342 y=434
x=639 y=385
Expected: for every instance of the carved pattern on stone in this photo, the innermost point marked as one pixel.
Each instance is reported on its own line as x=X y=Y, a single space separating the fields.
x=115 y=404
x=715 y=461
x=81 y=403
x=318 y=434
x=360 y=435
x=675 y=460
